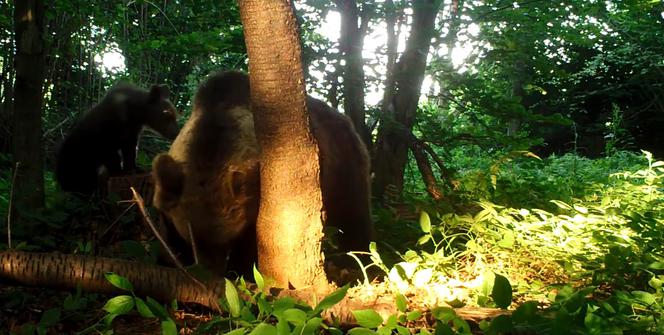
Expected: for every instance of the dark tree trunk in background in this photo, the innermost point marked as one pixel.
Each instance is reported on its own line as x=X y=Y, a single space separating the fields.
x=391 y=152
x=27 y=135
x=289 y=227
x=392 y=45
x=351 y=42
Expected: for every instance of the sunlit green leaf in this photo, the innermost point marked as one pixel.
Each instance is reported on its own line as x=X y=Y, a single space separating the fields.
x=233 y=299
x=119 y=305
x=143 y=308
x=361 y=331
x=414 y=315
x=264 y=329
x=157 y=308
x=425 y=222
x=119 y=281
x=168 y=327
x=331 y=300
x=296 y=316
x=239 y=331
x=401 y=302
x=259 y=279
x=368 y=318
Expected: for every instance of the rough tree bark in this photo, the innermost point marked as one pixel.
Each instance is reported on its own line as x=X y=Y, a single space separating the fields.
x=27 y=132
x=289 y=227
x=391 y=152
x=351 y=43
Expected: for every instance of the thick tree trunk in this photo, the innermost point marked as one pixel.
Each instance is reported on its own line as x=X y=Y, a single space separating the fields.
x=289 y=227
x=27 y=136
x=391 y=153
x=392 y=46
x=63 y=271
x=351 y=43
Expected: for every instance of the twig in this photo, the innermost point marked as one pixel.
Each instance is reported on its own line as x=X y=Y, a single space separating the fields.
x=133 y=203
x=9 y=210
x=193 y=242
x=141 y=206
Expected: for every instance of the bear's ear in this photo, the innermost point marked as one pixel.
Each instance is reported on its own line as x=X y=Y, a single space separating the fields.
x=168 y=181
x=159 y=92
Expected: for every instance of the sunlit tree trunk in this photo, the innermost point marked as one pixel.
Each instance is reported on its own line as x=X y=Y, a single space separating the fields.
x=27 y=136
x=289 y=226
x=391 y=152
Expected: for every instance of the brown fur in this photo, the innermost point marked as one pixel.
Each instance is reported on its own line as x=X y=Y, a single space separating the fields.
x=210 y=177
x=107 y=136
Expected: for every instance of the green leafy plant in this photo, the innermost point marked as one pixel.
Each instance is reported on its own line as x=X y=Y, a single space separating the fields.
x=258 y=314
x=124 y=304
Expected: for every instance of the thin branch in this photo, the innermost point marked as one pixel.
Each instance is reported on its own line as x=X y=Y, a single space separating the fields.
x=425 y=170
x=141 y=206
x=9 y=210
x=162 y=13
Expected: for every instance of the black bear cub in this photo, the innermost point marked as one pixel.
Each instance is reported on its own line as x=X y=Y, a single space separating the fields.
x=107 y=136
x=210 y=177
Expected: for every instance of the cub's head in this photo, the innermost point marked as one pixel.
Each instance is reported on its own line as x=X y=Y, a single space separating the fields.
x=160 y=113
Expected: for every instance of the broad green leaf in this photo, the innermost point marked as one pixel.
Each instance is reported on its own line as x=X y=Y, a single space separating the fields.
x=414 y=315
x=444 y=314
x=581 y=209
x=296 y=316
x=264 y=329
x=384 y=330
x=143 y=308
x=401 y=330
x=525 y=312
x=501 y=324
x=424 y=239
x=168 y=327
x=507 y=241
x=401 y=301
x=283 y=327
x=50 y=317
x=331 y=300
x=644 y=297
x=361 y=331
x=593 y=323
x=368 y=318
x=443 y=329
x=461 y=325
x=502 y=292
x=655 y=283
x=119 y=281
x=334 y=331
x=247 y=314
x=312 y=326
x=391 y=321
x=119 y=305
x=239 y=331
x=157 y=308
x=233 y=299
x=283 y=304
x=260 y=282
x=425 y=222
x=656 y=265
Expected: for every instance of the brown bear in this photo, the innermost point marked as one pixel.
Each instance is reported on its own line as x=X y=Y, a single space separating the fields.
x=210 y=177
x=107 y=136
